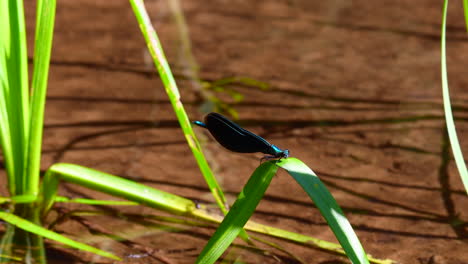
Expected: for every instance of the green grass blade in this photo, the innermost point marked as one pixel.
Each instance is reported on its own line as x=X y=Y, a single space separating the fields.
x=452 y=132
x=62 y=199
x=110 y=184
x=328 y=208
x=239 y=214
x=38 y=230
x=18 y=94
x=15 y=97
x=24 y=198
x=170 y=85
x=18 y=199
x=5 y=141
x=465 y=11
x=42 y=49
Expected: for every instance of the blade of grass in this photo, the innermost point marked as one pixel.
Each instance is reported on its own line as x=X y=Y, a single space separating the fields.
x=239 y=214
x=38 y=230
x=5 y=141
x=42 y=49
x=170 y=85
x=172 y=91
x=18 y=94
x=14 y=92
x=452 y=132
x=465 y=11
x=328 y=207
x=110 y=184
x=61 y=199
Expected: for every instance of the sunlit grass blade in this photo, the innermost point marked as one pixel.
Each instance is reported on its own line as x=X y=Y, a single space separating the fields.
x=18 y=94
x=18 y=199
x=38 y=230
x=157 y=53
x=4 y=86
x=465 y=11
x=119 y=187
x=42 y=49
x=14 y=91
x=452 y=132
x=239 y=214
x=170 y=85
x=24 y=198
x=110 y=184
x=328 y=207
x=61 y=199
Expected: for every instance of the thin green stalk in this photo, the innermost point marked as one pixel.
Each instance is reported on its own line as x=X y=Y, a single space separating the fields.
x=465 y=11
x=239 y=214
x=42 y=49
x=15 y=91
x=4 y=126
x=170 y=85
x=452 y=132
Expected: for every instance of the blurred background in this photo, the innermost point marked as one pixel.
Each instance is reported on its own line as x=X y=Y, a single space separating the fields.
x=352 y=88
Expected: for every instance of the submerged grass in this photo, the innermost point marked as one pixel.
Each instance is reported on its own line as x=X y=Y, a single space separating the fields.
x=155 y=49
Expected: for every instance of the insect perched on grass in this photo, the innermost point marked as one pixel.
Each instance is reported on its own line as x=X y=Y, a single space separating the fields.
x=237 y=139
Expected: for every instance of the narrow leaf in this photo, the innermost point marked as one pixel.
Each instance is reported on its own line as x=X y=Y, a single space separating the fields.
x=14 y=95
x=239 y=214
x=452 y=132
x=42 y=49
x=465 y=11
x=157 y=53
x=328 y=207
x=110 y=184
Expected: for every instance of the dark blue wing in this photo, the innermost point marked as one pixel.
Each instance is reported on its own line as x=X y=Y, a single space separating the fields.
x=234 y=137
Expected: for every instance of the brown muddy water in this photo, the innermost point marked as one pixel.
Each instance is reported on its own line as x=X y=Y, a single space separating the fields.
x=355 y=93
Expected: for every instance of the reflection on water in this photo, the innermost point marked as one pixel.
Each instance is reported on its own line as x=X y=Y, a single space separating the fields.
x=19 y=246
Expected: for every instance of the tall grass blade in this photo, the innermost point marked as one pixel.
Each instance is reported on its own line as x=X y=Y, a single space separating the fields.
x=15 y=91
x=328 y=207
x=239 y=214
x=452 y=132
x=5 y=49
x=465 y=11
x=110 y=184
x=42 y=49
x=170 y=85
